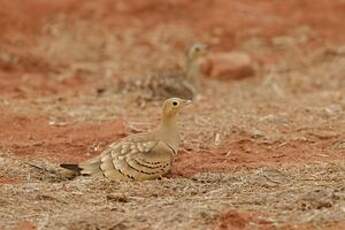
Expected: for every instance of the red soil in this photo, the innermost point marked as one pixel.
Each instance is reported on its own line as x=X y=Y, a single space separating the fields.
x=32 y=135
x=223 y=23
x=35 y=136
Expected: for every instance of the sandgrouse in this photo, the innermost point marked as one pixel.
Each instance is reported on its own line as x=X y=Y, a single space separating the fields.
x=171 y=83
x=139 y=156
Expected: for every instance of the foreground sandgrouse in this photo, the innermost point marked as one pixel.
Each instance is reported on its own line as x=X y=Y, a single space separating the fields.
x=140 y=156
x=171 y=83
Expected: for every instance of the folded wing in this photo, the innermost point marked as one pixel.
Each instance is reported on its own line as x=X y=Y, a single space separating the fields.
x=131 y=160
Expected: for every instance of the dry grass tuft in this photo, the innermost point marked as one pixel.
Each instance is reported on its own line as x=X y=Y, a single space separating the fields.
x=296 y=195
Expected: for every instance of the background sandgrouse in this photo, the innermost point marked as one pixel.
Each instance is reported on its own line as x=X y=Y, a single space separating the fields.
x=170 y=83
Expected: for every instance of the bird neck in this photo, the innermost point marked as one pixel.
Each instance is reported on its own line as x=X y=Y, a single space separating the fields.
x=169 y=130
x=193 y=70
x=169 y=122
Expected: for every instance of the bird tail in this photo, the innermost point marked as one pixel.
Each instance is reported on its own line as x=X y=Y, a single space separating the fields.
x=73 y=167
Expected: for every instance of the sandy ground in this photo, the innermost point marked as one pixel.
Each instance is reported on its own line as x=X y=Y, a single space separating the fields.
x=264 y=152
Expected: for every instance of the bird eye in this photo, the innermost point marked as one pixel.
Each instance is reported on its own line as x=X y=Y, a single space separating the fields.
x=175 y=103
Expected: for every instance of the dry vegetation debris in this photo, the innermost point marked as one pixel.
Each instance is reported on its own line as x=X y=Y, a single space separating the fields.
x=281 y=196
x=264 y=152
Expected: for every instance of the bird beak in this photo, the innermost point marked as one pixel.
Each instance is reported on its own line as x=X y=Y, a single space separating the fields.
x=205 y=50
x=186 y=103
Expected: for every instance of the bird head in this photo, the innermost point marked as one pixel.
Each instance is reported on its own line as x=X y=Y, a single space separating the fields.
x=173 y=106
x=196 y=51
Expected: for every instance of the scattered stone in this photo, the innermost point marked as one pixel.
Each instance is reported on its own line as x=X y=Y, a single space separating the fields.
x=229 y=66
